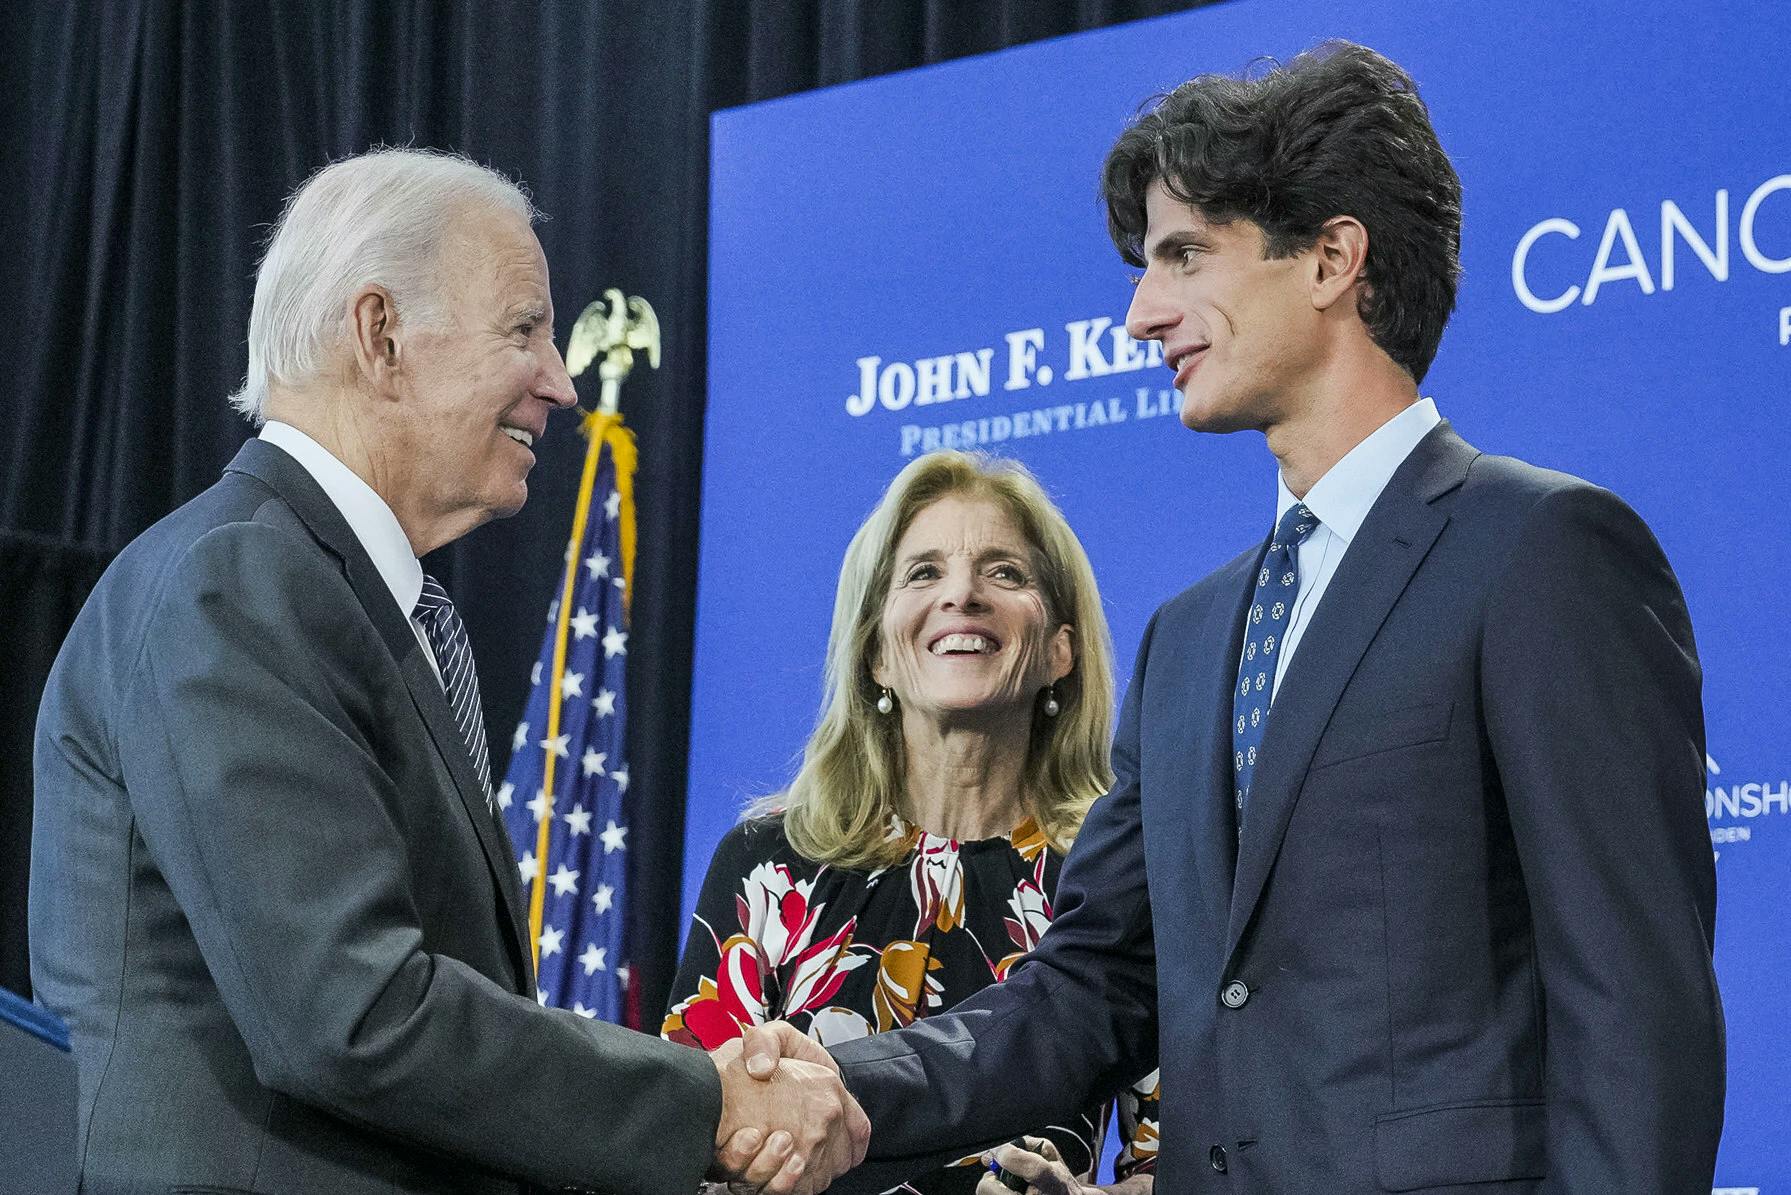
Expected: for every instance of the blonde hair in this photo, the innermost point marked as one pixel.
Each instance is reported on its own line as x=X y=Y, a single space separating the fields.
x=838 y=808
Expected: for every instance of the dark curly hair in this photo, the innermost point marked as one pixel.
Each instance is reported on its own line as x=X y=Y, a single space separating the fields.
x=1339 y=131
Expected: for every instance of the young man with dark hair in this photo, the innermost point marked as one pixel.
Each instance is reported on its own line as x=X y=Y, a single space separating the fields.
x=1404 y=875
x=1338 y=131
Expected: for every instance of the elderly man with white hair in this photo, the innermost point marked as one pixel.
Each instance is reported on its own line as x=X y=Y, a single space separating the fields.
x=269 y=892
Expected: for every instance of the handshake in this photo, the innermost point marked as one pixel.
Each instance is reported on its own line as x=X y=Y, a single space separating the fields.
x=788 y=1125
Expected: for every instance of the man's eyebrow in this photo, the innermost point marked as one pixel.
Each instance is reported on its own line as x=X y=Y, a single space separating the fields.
x=529 y=310
x=1173 y=243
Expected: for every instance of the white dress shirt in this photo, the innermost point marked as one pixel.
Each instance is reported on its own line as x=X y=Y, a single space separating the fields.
x=367 y=515
x=1341 y=499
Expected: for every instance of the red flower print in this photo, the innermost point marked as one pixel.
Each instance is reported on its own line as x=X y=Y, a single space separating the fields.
x=818 y=972
x=774 y=911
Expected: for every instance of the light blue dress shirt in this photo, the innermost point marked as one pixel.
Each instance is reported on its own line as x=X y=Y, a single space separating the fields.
x=1341 y=499
x=367 y=515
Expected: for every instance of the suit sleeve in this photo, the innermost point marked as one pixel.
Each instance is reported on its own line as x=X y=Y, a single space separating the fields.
x=253 y=751
x=1072 y=1024
x=1591 y=686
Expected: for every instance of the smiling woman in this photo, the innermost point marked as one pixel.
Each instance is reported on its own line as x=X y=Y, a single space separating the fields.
x=966 y=643
x=963 y=736
x=959 y=540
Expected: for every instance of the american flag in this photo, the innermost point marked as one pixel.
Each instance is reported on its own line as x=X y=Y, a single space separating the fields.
x=565 y=796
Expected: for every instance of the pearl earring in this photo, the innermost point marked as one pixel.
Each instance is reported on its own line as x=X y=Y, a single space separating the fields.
x=885 y=703
x=1051 y=706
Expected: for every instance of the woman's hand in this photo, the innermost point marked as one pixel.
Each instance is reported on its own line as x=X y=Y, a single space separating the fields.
x=1045 y=1174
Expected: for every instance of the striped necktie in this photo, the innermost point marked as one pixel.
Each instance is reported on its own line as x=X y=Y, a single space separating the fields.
x=454 y=656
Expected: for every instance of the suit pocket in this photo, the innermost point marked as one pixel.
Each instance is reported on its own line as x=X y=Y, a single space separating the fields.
x=189 y=1189
x=1485 y=1141
x=1384 y=730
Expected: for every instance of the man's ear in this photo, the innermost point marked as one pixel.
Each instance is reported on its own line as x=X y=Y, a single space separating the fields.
x=374 y=334
x=1339 y=260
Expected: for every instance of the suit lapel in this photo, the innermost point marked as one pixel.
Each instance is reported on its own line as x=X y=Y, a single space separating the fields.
x=1387 y=549
x=1213 y=671
x=292 y=482
x=426 y=693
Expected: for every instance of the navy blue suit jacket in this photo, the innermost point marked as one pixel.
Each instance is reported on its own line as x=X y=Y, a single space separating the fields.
x=1464 y=942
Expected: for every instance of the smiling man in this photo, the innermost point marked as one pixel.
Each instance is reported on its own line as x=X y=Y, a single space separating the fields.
x=269 y=891
x=1405 y=867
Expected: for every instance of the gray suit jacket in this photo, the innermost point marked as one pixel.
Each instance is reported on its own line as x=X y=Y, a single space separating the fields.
x=270 y=901
x=1463 y=945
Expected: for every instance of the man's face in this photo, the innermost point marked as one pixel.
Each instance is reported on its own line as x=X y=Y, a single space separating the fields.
x=482 y=384
x=1239 y=331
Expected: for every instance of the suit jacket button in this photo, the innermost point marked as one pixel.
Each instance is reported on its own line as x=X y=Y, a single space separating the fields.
x=1236 y=993
x=1216 y=1155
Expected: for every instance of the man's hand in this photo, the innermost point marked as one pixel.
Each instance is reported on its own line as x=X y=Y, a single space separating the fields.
x=1042 y=1167
x=811 y=1130
x=763 y=1045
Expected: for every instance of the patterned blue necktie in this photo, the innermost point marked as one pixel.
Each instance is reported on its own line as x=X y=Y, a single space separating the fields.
x=1277 y=583
x=454 y=656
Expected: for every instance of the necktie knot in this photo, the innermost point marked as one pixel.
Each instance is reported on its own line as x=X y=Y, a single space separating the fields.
x=1294 y=527
x=432 y=601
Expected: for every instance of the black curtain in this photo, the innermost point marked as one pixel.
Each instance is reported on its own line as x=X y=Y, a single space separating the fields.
x=148 y=147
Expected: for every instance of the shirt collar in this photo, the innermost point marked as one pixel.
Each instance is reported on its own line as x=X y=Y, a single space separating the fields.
x=1342 y=497
x=365 y=512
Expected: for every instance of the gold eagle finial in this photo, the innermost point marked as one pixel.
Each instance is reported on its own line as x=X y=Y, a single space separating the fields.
x=608 y=332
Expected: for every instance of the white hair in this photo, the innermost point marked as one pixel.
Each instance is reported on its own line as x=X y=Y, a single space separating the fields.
x=379 y=217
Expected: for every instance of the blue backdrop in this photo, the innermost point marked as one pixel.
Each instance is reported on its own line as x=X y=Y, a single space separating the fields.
x=921 y=260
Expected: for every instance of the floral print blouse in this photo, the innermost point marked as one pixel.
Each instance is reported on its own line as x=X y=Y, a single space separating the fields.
x=842 y=954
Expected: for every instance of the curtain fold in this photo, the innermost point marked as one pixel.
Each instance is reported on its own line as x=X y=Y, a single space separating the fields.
x=42 y=585
x=159 y=140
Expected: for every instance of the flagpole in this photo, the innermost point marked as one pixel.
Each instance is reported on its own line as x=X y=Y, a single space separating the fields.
x=611 y=335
